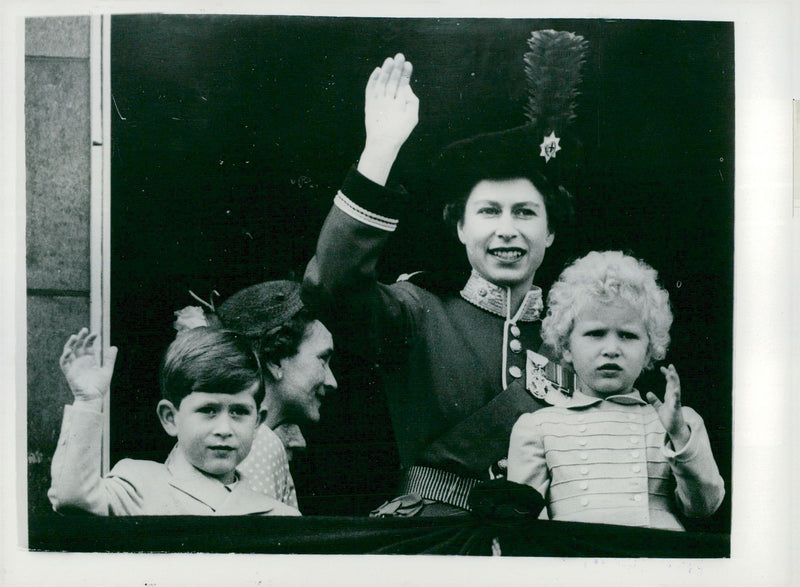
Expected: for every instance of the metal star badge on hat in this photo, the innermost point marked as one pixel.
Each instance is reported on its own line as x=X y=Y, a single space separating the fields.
x=550 y=147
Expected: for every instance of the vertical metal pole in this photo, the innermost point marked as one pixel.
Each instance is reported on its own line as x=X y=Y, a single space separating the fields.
x=100 y=262
x=106 y=224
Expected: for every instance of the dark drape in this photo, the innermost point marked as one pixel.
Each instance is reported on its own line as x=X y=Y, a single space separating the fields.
x=361 y=535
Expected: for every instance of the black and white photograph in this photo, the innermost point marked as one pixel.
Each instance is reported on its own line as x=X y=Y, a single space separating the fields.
x=455 y=286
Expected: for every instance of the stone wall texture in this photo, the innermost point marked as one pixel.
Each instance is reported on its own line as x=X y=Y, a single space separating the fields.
x=57 y=152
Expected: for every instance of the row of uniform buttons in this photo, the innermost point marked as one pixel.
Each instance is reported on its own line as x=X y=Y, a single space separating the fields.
x=631 y=417
x=634 y=440
x=637 y=497
x=635 y=468
x=516 y=346
x=634 y=454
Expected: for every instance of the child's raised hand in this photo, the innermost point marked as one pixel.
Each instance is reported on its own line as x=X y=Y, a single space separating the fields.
x=80 y=363
x=669 y=411
x=391 y=111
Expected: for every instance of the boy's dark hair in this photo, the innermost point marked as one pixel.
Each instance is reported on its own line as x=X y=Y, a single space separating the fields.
x=505 y=155
x=209 y=360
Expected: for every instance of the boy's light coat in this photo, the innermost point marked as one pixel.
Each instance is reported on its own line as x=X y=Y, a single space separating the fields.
x=138 y=487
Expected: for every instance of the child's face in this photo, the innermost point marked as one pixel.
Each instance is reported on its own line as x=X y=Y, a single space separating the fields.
x=607 y=348
x=215 y=430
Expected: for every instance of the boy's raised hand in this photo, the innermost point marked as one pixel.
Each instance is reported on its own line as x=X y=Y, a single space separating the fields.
x=391 y=111
x=669 y=411
x=80 y=363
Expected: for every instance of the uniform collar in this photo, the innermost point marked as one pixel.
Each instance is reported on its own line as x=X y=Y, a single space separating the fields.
x=580 y=400
x=495 y=299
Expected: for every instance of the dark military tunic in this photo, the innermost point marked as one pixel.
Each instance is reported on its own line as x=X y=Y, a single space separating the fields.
x=453 y=367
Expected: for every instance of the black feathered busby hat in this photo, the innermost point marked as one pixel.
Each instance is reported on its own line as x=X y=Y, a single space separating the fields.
x=542 y=150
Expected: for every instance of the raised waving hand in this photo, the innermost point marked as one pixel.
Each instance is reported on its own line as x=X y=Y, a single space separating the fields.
x=669 y=411
x=80 y=362
x=391 y=111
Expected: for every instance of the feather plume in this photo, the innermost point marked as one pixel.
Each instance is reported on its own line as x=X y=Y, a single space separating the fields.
x=553 y=71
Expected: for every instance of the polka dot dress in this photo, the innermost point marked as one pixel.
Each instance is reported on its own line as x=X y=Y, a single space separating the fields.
x=266 y=468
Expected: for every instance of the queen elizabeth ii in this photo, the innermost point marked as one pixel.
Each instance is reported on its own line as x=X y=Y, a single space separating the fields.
x=453 y=366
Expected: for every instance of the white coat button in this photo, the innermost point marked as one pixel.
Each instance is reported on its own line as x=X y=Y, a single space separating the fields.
x=634 y=440
x=515 y=372
x=582 y=442
x=637 y=497
x=515 y=345
x=515 y=330
x=635 y=454
x=584 y=502
x=636 y=469
x=584 y=486
x=584 y=456
x=584 y=470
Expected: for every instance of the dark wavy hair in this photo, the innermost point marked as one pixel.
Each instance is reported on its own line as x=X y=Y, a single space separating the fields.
x=283 y=341
x=209 y=360
x=557 y=200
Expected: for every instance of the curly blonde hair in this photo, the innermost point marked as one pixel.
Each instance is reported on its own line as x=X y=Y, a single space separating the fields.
x=606 y=277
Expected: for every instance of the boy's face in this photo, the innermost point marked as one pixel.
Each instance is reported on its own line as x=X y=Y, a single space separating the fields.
x=607 y=348
x=214 y=430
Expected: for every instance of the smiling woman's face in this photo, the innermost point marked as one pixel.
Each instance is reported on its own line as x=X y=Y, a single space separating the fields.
x=505 y=232
x=306 y=377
